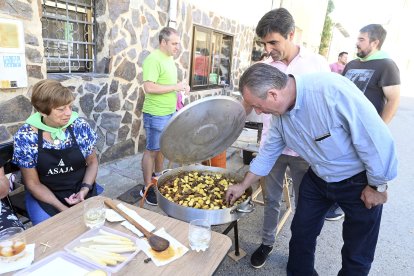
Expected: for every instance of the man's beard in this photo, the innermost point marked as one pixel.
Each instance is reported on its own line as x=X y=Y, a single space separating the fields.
x=362 y=54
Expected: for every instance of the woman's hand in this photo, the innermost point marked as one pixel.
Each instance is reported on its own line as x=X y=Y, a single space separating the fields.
x=72 y=199
x=78 y=197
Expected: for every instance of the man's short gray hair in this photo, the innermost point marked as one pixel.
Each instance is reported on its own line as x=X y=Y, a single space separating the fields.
x=260 y=78
x=165 y=33
x=375 y=32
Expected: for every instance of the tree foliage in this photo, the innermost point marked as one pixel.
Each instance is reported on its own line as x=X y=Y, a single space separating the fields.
x=327 y=30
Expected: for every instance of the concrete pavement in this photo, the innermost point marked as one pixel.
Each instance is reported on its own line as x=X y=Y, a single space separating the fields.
x=395 y=249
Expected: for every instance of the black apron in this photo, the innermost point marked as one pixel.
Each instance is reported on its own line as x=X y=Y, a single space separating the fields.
x=62 y=171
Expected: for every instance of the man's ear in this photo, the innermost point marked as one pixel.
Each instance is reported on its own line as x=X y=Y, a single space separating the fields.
x=291 y=35
x=272 y=94
x=375 y=43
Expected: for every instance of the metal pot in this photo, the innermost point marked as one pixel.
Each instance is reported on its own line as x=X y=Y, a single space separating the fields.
x=187 y=214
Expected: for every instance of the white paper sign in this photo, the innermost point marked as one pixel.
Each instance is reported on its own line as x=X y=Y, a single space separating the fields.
x=13 y=73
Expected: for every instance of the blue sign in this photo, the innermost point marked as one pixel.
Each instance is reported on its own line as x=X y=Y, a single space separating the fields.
x=12 y=62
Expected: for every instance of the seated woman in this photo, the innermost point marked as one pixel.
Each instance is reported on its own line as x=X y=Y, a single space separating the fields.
x=7 y=217
x=55 y=152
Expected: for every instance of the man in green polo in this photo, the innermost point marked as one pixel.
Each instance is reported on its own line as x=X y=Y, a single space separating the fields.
x=160 y=85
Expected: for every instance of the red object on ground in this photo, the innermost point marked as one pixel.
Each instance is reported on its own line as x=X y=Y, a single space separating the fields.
x=219 y=160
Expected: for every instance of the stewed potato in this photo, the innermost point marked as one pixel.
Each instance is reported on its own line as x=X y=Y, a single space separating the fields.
x=201 y=190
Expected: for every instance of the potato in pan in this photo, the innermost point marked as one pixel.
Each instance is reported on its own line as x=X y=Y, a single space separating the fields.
x=201 y=190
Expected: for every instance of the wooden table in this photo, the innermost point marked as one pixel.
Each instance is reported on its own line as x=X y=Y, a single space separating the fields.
x=63 y=228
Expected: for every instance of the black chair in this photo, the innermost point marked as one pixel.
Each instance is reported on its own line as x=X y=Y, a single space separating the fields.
x=15 y=200
x=6 y=153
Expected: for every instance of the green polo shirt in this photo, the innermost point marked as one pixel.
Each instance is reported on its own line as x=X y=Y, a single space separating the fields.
x=160 y=69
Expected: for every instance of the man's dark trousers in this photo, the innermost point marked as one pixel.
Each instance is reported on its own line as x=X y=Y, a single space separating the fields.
x=360 y=227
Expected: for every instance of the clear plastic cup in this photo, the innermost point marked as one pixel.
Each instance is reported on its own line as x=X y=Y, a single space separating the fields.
x=199 y=234
x=12 y=244
x=94 y=213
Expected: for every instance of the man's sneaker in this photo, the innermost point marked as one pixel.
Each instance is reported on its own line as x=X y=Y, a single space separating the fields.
x=151 y=198
x=334 y=213
x=259 y=256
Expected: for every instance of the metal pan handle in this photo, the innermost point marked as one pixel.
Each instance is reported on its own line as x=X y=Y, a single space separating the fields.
x=247 y=209
x=165 y=171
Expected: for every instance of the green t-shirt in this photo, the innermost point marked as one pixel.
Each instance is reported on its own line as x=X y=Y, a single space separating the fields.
x=160 y=68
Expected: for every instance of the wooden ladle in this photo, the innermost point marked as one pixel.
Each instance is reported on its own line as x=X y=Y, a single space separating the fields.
x=157 y=243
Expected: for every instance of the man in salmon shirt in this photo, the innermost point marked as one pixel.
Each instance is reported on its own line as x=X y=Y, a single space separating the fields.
x=276 y=30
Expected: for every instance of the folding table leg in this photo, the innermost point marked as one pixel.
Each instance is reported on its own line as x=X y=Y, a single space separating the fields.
x=260 y=190
x=286 y=196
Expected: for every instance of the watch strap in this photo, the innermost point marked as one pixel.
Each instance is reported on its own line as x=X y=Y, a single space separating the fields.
x=89 y=186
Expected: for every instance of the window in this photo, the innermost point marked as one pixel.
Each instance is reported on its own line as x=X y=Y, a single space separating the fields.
x=211 y=58
x=68 y=35
x=257 y=50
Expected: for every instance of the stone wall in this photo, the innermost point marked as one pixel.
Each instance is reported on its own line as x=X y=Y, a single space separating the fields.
x=111 y=99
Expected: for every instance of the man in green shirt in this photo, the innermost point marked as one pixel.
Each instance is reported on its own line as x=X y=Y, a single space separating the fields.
x=160 y=85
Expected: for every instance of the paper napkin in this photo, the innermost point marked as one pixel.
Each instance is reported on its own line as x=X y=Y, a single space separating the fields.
x=146 y=224
x=113 y=216
x=175 y=251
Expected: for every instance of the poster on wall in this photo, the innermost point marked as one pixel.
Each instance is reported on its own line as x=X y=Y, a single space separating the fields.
x=13 y=72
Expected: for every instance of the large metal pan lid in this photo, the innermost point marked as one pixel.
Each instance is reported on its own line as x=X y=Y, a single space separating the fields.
x=202 y=129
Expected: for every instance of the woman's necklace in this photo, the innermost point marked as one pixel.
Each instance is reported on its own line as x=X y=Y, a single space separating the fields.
x=56 y=141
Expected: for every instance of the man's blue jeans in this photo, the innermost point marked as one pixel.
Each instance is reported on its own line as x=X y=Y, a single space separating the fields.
x=360 y=228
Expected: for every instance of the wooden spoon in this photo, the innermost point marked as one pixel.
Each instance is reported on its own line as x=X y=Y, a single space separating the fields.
x=157 y=243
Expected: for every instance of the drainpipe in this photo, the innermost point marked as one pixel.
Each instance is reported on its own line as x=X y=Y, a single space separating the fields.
x=172 y=14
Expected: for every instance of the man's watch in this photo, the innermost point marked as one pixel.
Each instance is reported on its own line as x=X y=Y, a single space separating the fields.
x=89 y=186
x=380 y=188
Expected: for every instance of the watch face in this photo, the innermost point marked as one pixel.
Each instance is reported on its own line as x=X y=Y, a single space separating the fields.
x=382 y=188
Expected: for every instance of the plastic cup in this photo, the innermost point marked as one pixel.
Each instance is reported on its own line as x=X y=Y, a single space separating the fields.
x=199 y=234
x=12 y=244
x=94 y=213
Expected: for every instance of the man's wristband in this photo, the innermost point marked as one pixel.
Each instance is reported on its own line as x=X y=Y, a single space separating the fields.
x=89 y=186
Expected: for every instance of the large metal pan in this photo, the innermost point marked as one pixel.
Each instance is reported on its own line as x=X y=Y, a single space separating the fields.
x=215 y=217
